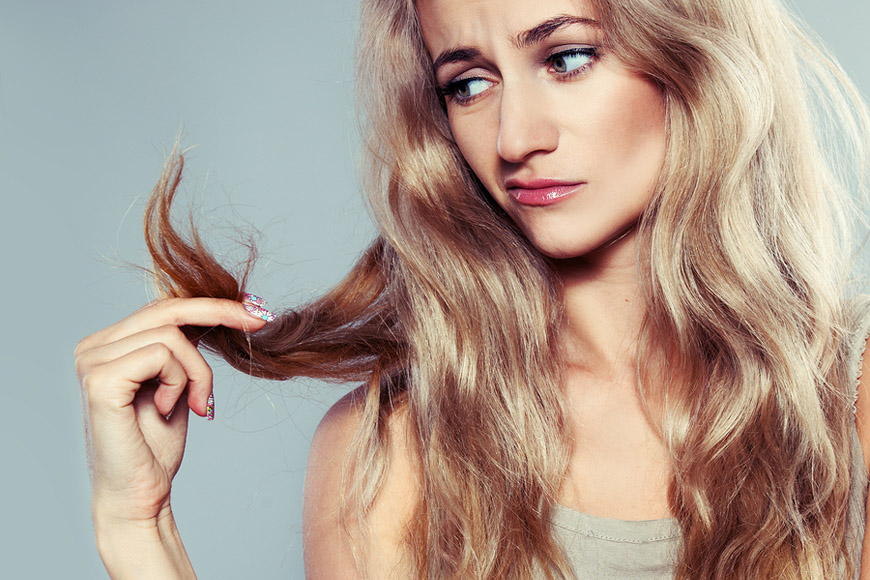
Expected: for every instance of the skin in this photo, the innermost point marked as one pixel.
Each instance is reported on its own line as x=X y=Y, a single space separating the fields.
x=538 y=112
x=602 y=130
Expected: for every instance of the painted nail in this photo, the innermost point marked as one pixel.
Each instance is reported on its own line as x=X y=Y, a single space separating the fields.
x=259 y=312
x=255 y=300
x=209 y=407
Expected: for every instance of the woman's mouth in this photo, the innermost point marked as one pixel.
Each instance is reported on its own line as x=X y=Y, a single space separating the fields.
x=540 y=192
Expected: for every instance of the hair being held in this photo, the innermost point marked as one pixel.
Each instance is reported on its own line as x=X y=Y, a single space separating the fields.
x=337 y=337
x=451 y=315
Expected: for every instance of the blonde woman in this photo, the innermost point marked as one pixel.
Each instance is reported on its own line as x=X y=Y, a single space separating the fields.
x=604 y=331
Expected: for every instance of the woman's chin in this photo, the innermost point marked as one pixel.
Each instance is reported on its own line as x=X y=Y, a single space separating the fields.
x=561 y=251
x=562 y=245
x=605 y=249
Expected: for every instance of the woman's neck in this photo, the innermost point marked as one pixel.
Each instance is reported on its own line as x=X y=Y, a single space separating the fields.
x=603 y=308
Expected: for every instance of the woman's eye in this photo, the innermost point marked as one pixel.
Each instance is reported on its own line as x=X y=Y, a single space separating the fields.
x=571 y=60
x=466 y=89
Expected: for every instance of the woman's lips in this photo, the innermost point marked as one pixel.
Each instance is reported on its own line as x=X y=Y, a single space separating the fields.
x=541 y=192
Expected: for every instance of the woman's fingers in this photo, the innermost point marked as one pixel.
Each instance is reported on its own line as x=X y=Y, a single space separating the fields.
x=138 y=378
x=182 y=312
x=197 y=370
x=158 y=323
x=126 y=426
x=164 y=436
x=113 y=384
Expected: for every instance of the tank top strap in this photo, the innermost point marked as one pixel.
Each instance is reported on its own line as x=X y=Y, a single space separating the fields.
x=859 y=328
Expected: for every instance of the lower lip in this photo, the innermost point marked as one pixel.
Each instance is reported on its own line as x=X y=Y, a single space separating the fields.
x=544 y=195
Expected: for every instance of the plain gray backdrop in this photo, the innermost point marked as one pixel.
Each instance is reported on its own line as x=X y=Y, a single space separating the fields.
x=92 y=95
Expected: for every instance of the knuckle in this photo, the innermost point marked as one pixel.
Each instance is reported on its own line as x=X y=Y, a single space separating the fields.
x=169 y=333
x=82 y=365
x=93 y=379
x=159 y=350
x=171 y=336
x=83 y=346
x=200 y=372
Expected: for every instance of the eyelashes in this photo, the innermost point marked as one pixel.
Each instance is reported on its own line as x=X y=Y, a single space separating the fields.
x=575 y=60
x=564 y=65
x=464 y=90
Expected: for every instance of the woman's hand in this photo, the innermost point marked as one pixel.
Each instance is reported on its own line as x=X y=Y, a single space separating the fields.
x=138 y=378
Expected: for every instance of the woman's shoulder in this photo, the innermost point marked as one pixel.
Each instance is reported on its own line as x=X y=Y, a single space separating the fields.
x=328 y=535
x=858 y=358
x=341 y=422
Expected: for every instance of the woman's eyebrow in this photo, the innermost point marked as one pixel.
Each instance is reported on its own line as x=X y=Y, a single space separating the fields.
x=522 y=40
x=548 y=27
x=454 y=55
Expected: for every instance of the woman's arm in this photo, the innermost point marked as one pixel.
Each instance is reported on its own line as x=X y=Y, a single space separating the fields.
x=863 y=425
x=328 y=544
x=139 y=377
x=142 y=550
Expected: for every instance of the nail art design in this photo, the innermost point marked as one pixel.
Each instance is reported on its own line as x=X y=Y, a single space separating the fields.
x=255 y=300
x=259 y=312
x=209 y=407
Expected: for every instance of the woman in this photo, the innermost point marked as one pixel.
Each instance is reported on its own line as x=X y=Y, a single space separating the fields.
x=602 y=333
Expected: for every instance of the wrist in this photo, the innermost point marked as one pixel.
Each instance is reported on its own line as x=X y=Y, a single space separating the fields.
x=142 y=549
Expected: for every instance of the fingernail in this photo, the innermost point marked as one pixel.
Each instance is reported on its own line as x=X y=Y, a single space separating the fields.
x=259 y=312
x=255 y=300
x=209 y=408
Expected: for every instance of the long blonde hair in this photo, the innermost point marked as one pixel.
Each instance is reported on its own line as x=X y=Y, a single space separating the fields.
x=452 y=316
x=745 y=257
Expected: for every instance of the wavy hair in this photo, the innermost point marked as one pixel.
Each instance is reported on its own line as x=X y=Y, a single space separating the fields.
x=744 y=259
x=451 y=316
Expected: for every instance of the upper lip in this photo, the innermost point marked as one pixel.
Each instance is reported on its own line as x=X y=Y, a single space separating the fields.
x=537 y=183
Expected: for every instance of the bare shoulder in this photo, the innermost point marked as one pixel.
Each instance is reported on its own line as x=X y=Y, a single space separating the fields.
x=328 y=542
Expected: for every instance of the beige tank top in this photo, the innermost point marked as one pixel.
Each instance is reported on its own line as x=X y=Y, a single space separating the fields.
x=602 y=548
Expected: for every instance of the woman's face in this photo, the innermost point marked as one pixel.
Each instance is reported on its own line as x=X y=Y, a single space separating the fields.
x=564 y=137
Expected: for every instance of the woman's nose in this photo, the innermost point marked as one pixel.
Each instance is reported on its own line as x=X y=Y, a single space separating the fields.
x=526 y=125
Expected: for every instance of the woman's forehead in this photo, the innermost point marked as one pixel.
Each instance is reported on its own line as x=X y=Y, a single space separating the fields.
x=448 y=23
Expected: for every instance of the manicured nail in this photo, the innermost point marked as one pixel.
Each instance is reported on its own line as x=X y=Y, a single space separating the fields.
x=209 y=407
x=255 y=300
x=259 y=312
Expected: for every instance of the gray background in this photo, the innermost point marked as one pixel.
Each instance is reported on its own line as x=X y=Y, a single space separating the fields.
x=92 y=94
